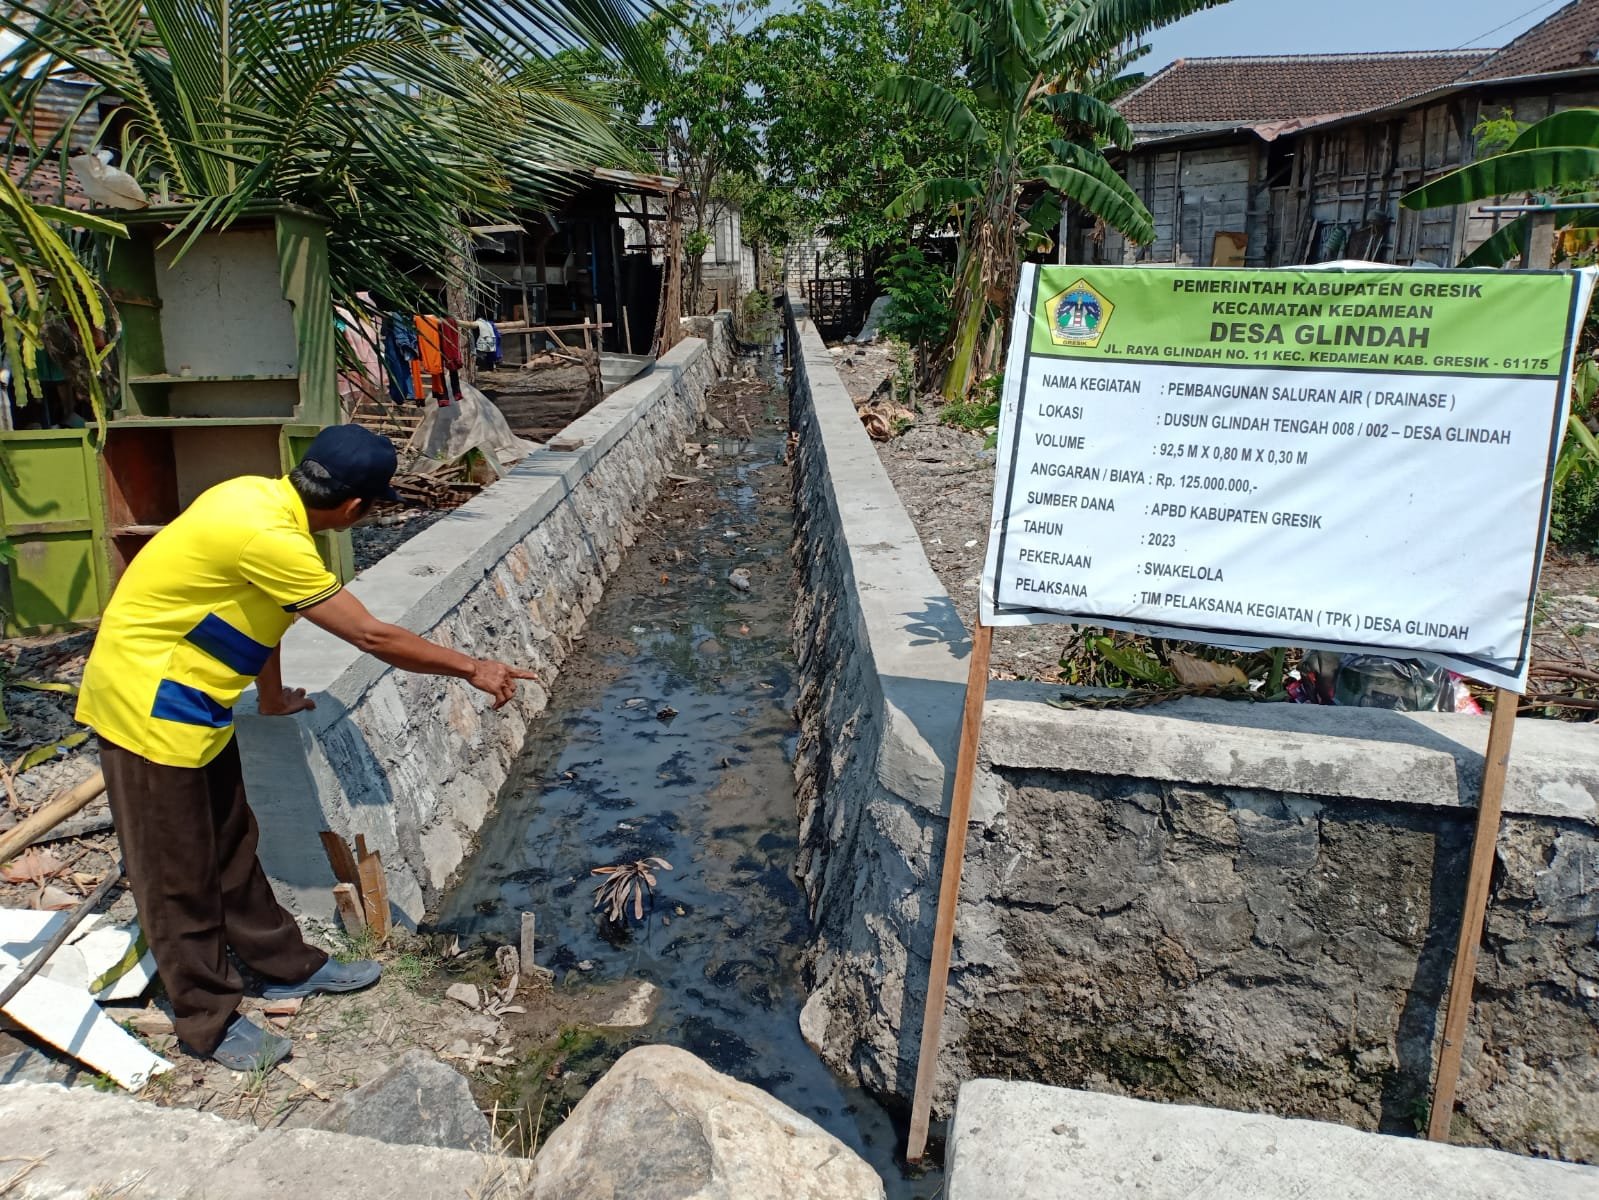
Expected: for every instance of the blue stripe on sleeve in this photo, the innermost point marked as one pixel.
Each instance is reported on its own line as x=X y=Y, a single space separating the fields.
x=189 y=706
x=229 y=646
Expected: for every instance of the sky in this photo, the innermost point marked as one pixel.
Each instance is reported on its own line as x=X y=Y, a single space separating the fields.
x=1266 y=27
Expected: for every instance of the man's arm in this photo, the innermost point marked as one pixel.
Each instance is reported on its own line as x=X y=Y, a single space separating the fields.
x=345 y=617
x=272 y=699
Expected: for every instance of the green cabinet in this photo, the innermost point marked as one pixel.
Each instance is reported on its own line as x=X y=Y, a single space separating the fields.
x=51 y=504
x=226 y=367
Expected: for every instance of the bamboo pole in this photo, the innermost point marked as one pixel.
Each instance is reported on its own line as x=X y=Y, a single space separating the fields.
x=68 y=804
x=1478 y=878
x=949 y=886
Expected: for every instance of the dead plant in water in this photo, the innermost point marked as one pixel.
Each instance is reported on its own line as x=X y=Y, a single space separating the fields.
x=634 y=879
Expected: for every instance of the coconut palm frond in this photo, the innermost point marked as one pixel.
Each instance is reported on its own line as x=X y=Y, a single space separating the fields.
x=48 y=289
x=401 y=121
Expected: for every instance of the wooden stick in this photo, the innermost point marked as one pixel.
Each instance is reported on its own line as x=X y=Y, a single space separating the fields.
x=340 y=858
x=949 y=886
x=42 y=956
x=374 y=895
x=17 y=839
x=88 y=826
x=1480 y=875
x=348 y=900
x=627 y=332
x=309 y=1085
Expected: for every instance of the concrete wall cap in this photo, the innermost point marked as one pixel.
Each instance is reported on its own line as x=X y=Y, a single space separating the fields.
x=1345 y=753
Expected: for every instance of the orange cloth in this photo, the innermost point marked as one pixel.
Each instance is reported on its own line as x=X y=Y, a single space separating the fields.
x=431 y=344
x=427 y=338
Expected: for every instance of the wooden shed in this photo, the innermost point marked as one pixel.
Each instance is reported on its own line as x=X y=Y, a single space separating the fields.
x=1290 y=159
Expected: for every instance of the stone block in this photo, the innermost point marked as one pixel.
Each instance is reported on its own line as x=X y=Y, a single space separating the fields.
x=417 y=1102
x=708 y=1136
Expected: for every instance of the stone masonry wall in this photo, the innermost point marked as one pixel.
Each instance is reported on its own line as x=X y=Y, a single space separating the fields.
x=413 y=762
x=1246 y=906
x=1266 y=951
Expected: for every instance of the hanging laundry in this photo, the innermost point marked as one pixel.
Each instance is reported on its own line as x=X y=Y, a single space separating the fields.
x=488 y=337
x=489 y=353
x=358 y=382
x=451 y=345
x=430 y=338
x=400 y=354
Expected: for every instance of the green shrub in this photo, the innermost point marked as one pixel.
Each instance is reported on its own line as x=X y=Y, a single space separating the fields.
x=1574 y=515
x=920 y=312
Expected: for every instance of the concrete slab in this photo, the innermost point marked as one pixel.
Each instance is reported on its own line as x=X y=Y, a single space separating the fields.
x=72 y=1145
x=1015 y=1141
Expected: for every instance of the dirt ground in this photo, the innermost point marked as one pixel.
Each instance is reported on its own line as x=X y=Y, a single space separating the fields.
x=945 y=479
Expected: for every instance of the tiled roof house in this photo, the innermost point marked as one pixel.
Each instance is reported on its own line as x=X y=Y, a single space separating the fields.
x=1276 y=160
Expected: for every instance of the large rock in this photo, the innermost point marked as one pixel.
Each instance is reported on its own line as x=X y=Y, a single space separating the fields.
x=661 y=1125
x=417 y=1102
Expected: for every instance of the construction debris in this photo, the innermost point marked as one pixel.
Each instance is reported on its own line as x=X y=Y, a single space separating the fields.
x=58 y=1005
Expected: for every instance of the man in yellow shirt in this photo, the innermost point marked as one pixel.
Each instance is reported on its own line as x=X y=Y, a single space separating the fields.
x=196 y=618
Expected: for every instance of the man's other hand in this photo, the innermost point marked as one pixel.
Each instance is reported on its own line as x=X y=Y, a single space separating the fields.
x=282 y=701
x=497 y=679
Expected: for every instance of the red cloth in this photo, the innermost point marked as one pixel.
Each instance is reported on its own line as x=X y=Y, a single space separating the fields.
x=450 y=345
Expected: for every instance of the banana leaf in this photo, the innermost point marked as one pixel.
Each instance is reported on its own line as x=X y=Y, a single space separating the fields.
x=1545 y=169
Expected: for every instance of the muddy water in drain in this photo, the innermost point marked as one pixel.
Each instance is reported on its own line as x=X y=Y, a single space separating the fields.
x=610 y=776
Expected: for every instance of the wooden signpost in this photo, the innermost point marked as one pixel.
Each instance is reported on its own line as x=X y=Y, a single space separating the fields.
x=949 y=887
x=1102 y=562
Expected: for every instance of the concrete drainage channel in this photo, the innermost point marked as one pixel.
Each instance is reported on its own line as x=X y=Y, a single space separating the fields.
x=671 y=735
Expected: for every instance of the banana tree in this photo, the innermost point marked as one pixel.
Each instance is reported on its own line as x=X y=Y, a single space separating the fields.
x=401 y=122
x=1558 y=156
x=1032 y=119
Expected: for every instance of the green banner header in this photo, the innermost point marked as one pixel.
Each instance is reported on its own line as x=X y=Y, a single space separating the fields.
x=1401 y=321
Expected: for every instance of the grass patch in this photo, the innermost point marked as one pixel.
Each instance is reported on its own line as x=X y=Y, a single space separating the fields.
x=972 y=415
x=353 y=947
x=411 y=970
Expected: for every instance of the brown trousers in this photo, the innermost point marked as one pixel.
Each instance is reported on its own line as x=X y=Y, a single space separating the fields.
x=188 y=839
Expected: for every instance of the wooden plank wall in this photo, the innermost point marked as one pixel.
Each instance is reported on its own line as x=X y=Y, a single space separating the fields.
x=1193 y=195
x=1341 y=198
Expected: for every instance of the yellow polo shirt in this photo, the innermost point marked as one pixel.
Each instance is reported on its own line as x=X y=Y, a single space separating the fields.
x=195 y=617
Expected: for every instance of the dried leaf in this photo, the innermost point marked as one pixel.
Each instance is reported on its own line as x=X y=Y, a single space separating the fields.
x=32 y=866
x=1198 y=672
x=53 y=899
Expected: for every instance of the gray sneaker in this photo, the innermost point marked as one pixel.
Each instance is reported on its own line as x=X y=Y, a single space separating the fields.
x=248 y=1047
x=334 y=976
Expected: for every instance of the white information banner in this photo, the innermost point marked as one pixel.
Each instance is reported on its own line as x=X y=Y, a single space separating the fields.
x=1354 y=459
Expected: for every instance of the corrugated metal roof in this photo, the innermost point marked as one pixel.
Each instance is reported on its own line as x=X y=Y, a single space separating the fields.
x=663 y=184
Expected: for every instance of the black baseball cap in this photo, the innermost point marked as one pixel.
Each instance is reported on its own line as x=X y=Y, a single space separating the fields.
x=357 y=458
